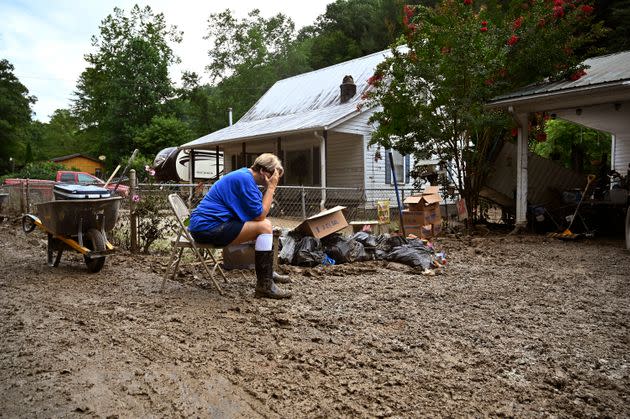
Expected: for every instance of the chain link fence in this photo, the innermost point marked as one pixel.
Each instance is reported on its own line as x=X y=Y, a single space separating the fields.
x=145 y=218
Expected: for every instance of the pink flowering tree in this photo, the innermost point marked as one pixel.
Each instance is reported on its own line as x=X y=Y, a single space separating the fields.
x=429 y=96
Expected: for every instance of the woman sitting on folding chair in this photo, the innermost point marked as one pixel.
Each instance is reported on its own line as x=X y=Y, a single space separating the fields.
x=235 y=211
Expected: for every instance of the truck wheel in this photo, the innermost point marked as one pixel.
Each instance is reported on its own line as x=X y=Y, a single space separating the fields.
x=94 y=241
x=628 y=228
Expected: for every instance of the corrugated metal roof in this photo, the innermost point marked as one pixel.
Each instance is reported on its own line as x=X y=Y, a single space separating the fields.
x=304 y=102
x=601 y=70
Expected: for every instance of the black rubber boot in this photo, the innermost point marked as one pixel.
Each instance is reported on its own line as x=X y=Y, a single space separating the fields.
x=281 y=279
x=265 y=287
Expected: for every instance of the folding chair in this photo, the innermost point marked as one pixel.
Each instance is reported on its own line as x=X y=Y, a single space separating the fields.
x=185 y=241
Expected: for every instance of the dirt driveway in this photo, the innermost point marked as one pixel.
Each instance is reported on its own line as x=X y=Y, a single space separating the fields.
x=517 y=326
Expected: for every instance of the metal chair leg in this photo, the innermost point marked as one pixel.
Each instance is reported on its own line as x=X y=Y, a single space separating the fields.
x=168 y=266
x=205 y=266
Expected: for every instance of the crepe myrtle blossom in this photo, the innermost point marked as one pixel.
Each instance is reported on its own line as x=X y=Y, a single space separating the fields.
x=149 y=170
x=578 y=75
x=408 y=14
x=513 y=40
x=517 y=23
x=135 y=198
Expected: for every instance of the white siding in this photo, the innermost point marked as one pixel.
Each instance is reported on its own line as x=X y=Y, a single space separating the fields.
x=376 y=188
x=345 y=160
x=357 y=125
x=621 y=153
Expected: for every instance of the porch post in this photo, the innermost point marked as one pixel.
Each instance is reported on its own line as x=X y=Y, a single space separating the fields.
x=279 y=154
x=521 y=170
x=191 y=175
x=216 y=162
x=243 y=156
x=322 y=150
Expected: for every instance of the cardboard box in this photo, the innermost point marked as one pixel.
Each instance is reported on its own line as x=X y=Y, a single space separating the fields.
x=431 y=215
x=430 y=198
x=426 y=231
x=325 y=223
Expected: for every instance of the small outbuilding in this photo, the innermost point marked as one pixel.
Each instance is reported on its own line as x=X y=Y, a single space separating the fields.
x=82 y=163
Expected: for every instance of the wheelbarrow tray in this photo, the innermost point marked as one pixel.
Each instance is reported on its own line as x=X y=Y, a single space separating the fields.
x=71 y=217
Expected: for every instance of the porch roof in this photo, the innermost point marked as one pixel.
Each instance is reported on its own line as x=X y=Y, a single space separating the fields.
x=607 y=80
x=306 y=102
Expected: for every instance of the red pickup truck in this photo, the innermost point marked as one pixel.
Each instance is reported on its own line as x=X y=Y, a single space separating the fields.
x=83 y=178
x=66 y=176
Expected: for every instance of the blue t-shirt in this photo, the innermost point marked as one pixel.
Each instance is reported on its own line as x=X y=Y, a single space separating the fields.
x=233 y=197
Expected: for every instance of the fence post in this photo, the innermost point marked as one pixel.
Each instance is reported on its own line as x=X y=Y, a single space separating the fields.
x=22 y=197
x=303 y=203
x=133 y=219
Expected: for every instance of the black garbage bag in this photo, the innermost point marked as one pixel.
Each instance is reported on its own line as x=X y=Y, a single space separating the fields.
x=308 y=252
x=419 y=244
x=366 y=239
x=288 y=243
x=410 y=255
x=386 y=243
x=395 y=241
x=344 y=250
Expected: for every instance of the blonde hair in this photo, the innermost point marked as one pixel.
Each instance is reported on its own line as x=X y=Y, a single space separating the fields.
x=268 y=162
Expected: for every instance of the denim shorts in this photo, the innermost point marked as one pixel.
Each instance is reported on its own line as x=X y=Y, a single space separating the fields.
x=221 y=235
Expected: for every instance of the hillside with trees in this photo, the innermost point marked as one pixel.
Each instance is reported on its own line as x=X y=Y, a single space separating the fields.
x=125 y=99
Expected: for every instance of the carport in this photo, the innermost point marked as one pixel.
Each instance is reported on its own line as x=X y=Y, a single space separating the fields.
x=600 y=100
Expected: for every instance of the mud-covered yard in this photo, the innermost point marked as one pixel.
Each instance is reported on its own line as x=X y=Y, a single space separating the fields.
x=516 y=326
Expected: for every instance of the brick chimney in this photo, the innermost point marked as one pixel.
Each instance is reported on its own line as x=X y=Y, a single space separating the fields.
x=348 y=89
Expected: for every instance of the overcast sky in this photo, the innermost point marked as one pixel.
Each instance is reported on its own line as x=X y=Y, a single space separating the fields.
x=45 y=40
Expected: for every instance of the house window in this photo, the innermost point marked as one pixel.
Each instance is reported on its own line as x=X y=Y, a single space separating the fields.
x=298 y=167
x=401 y=167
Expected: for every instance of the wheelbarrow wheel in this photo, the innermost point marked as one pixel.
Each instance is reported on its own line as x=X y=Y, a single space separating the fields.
x=94 y=241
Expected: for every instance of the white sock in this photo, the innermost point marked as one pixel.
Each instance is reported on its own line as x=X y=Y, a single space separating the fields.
x=264 y=242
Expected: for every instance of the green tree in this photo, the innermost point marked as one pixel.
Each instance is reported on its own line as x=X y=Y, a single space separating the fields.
x=126 y=81
x=60 y=136
x=354 y=28
x=247 y=56
x=455 y=58
x=562 y=137
x=161 y=133
x=46 y=170
x=616 y=15
x=15 y=114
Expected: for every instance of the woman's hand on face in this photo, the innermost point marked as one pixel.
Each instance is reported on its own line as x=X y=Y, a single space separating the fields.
x=273 y=179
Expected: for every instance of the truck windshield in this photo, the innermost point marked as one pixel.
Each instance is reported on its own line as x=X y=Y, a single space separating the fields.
x=88 y=179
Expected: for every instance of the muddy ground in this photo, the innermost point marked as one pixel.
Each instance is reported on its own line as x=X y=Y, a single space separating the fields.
x=516 y=326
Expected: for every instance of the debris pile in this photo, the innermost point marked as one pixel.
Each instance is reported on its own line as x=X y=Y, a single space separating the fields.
x=307 y=251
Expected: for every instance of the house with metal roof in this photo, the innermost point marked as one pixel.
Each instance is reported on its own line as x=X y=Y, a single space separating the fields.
x=600 y=99
x=315 y=123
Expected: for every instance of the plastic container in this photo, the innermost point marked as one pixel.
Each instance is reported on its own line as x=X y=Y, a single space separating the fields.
x=65 y=191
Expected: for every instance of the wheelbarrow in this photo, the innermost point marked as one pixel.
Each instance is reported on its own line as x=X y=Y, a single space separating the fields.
x=76 y=224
